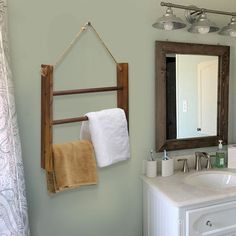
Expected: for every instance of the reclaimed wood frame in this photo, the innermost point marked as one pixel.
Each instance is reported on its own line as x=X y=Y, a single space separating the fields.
x=223 y=52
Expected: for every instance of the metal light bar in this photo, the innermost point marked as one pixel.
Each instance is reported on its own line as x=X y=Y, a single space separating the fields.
x=197 y=9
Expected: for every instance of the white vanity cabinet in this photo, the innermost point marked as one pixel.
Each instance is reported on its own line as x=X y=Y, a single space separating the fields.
x=164 y=217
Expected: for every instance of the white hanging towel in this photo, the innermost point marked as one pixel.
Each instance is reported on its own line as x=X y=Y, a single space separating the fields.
x=107 y=129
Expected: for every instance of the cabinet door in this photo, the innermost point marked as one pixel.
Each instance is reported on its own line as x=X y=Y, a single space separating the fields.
x=217 y=220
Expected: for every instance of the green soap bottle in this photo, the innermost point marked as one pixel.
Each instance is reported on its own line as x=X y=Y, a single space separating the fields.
x=220 y=156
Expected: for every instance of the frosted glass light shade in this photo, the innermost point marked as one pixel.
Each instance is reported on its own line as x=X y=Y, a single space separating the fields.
x=230 y=29
x=203 y=25
x=169 y=21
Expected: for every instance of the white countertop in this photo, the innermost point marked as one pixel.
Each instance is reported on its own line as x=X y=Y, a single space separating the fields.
x=182 y=194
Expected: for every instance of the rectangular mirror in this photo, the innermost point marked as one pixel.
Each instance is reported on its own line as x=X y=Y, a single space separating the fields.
x=191 y=95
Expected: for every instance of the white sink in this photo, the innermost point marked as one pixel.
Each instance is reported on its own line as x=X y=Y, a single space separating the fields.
x=212 y=179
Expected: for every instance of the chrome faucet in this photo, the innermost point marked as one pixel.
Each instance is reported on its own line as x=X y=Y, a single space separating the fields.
x=198 y=156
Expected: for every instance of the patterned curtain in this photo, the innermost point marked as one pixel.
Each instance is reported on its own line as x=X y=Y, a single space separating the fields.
x=13 y=206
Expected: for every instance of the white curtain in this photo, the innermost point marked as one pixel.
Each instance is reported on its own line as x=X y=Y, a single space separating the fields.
x=13 y=206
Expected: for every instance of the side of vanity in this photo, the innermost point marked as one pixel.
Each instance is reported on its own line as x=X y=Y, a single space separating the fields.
x=160 y=217
x=174 y=206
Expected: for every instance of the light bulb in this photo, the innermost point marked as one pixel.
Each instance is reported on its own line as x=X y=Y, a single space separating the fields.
x=232 y=33
x=168 y=25
x=203 y=29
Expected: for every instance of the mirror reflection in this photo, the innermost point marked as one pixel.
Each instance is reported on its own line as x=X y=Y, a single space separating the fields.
x=191 y=95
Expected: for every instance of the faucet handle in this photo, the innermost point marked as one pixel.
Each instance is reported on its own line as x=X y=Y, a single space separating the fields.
x=208 y=157
x=198 y=156
x=185 y=168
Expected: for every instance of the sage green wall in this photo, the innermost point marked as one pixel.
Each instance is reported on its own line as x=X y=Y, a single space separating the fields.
x=39 y=31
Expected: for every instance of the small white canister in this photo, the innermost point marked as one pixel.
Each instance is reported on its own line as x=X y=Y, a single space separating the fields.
x=151 y=169
x=167 y=167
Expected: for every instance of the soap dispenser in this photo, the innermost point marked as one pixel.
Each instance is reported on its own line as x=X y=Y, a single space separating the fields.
x=220 y=156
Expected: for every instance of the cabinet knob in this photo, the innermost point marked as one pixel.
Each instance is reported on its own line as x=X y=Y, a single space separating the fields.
x=208 y=223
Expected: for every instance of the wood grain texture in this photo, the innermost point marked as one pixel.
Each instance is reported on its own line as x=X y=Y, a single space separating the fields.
x=223 y=52
x=70 y=120
x=123 y=82
x=46 y=115
x=87 y=90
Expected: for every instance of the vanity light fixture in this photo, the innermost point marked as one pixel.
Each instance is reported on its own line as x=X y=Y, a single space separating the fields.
x=203 y=25
x=230 y=29
x=169 y=21
x=198 y=19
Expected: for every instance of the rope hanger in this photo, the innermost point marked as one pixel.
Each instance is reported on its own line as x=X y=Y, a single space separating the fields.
x=83 y=28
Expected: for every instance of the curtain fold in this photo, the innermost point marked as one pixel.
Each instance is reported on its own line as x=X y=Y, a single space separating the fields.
x=13 y=205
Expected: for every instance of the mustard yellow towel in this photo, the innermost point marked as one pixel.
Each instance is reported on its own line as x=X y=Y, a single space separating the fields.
x=74 y=165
